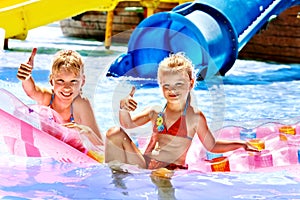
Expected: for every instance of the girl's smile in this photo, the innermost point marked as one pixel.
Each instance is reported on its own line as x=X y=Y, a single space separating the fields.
x=67 y=85
x=175 y=86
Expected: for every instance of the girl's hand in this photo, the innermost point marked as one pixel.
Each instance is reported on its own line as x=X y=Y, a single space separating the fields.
x=86 y=133
x=25 y=69
x=250 y=147
x=81 y=128
x=128 y=103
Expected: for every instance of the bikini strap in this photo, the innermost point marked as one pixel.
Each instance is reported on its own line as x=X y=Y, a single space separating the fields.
x=71 y=111
x=185 y=107
x=164 y=108
x=51 y=100
x=186 y=104
x=72 y=116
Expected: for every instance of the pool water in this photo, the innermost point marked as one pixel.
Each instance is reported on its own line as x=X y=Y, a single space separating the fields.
x=251 y=93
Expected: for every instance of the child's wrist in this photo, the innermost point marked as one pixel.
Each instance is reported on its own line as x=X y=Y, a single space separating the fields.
x=28 y=77
x=124 y=109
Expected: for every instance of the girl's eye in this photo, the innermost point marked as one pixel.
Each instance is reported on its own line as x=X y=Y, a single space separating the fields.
x=166 y=87
x=74 y=82
x=179 y=84
x=59 y=82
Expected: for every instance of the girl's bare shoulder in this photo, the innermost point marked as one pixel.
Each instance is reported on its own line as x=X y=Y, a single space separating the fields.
x=81 y=101
x=153 y=111
x=47 y=96
x=195 y=115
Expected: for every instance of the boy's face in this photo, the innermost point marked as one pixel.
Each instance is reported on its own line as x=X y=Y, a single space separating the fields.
x=66 y=84
x=175 y=86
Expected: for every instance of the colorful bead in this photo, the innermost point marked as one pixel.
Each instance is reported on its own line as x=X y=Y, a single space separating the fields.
x=159 y=122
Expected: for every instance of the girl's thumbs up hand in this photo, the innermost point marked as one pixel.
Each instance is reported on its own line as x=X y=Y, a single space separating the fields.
x=25 y=69
x=128 y=103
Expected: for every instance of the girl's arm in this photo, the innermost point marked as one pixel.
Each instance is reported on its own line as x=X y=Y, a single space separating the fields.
x=218 y=146
x=40 y=95
x=127 y=121
x=151 y=144
x=84 y=115
x=127 y=105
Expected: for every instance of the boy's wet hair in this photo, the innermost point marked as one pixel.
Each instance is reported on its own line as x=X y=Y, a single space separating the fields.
x=176 y=62
x=67 y=60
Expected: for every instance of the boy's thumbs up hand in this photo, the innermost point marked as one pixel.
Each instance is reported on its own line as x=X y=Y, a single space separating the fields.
x=25 y=69
x=128 y=103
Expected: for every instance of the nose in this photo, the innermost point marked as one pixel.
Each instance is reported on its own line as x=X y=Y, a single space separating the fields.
x=172 y=88
x=67 y=85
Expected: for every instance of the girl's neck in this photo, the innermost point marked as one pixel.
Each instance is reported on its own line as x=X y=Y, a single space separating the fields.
x=60 y=106
x=175 y=107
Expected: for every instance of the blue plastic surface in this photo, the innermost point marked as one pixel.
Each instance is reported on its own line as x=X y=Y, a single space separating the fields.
x=210 y=32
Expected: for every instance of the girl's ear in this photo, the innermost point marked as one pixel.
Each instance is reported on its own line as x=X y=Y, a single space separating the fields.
x=83 y=80
x=192 y=82
x=51 y=79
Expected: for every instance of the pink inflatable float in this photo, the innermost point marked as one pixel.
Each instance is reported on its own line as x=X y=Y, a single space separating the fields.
x=33 y=131
x=279 y=146
x=36 y=131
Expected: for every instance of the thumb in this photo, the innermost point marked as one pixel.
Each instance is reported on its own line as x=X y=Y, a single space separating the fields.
x=31 y=58
x=132 y=91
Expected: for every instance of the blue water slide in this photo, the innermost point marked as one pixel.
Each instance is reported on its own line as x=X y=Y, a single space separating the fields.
x=210 y=32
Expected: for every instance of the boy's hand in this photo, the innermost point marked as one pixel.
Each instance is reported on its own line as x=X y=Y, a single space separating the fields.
x=129 y=103
x=25 y=69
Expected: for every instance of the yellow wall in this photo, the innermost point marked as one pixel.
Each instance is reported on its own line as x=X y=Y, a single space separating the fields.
x=19 y=16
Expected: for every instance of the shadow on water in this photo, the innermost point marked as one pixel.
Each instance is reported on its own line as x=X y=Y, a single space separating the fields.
x=284 y=74
x=97 y=52
x=9 y=74
x=266 y=74
x=253 y=78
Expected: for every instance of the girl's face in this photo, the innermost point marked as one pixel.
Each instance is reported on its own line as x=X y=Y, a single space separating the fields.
x=67 y=85
x=176 y=86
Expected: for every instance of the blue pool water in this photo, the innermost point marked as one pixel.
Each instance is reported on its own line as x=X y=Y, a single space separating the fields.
x=251 y=93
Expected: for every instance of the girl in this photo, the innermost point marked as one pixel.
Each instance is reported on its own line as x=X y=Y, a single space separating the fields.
x=174 y=125
x=67 y=78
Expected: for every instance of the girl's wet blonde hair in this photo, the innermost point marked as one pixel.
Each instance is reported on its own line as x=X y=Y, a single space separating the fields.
x=176 y=62
x=67 y=60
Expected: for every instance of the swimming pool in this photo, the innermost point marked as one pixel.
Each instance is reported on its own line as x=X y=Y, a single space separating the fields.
x=251 y=93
